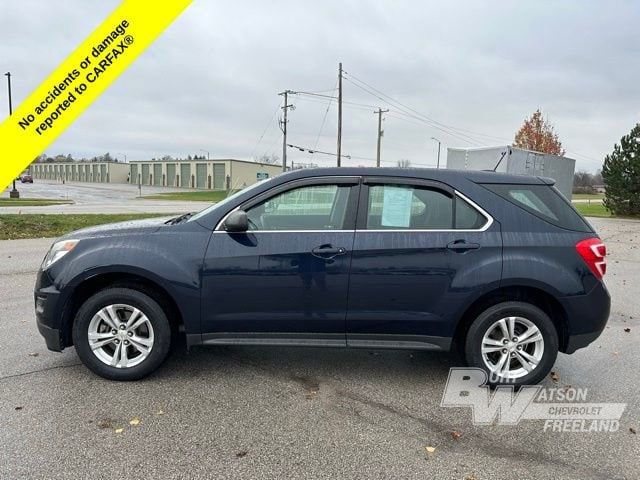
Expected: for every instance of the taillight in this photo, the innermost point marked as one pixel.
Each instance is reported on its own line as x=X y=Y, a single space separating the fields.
x=593 y=252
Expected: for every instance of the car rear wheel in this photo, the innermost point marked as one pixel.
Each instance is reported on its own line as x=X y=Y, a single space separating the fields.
x=121 y=334
x=515 y=343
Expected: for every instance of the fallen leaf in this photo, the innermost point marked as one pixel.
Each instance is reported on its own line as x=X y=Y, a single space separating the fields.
x=119 y=430
x=470 y=477
x=430 y=449
x=34 y=354
x=134 y=422
x=241 y=453
x=160 y=412
x=632 y=430
x=456 y=434
x=627 y=329
x=104 y=423
x=555 y=376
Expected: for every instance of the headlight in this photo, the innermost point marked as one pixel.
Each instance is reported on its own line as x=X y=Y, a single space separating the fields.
x=57 y=251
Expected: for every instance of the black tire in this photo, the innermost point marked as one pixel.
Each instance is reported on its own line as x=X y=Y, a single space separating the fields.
x=134 y=298
x=477 y=330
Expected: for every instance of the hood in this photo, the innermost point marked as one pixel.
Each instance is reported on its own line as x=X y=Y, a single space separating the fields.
x=129 y=227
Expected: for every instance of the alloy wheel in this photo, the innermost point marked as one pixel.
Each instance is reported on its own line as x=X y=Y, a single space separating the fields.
x=120 y=335
x=512 y=347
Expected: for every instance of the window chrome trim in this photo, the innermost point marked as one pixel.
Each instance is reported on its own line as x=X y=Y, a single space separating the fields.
x=482 y=211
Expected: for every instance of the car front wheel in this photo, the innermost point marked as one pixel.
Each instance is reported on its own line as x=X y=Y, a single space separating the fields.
x=121 y=334
x=515 y=343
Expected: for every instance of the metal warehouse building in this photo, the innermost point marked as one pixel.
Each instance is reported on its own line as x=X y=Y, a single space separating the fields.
x=223 y=174
x=104 y=172
x=517 y=161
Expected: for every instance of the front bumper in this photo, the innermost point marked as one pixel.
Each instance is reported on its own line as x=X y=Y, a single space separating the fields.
x=48 y=317
x=587 y=316
x=52 y=336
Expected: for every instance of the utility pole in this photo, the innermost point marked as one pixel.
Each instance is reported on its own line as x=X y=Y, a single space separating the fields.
x=434 y=138
x=283 y=127
x=13 y=193
x=339 y=152
x=380 y=133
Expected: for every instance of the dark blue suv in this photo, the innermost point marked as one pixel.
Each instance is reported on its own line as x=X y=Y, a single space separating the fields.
x=499 y=267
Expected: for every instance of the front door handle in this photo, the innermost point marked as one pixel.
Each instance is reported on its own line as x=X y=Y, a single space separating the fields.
x=328 y=251
x=462 y=246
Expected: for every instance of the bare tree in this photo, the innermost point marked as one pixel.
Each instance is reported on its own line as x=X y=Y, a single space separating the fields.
x=404 y=163
x=270 y=159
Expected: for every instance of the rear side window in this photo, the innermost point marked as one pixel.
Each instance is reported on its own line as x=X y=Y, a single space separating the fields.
x=544 y=202
x=414 y=207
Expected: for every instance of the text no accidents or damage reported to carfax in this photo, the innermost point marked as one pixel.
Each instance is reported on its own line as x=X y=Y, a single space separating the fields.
x=64 y=92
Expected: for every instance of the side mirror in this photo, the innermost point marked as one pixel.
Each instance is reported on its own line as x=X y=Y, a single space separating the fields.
x=237 y=222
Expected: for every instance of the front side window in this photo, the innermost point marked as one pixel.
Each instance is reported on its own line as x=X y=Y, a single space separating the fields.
x=313 y=207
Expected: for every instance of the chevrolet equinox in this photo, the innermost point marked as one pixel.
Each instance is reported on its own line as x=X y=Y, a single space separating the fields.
x=499 y=267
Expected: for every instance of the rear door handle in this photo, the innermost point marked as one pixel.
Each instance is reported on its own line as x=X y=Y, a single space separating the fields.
x=328 y=251
x=462 y=246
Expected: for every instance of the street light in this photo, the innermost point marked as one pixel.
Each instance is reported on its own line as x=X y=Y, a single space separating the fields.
x=13 y=193
x=125 y=156
x=205 y=152
x=434 y=138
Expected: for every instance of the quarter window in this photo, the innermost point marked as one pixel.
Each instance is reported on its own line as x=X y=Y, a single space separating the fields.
x=313 y=207
x=543 y=201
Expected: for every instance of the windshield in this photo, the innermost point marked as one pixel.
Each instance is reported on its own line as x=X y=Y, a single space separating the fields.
x=224 y=202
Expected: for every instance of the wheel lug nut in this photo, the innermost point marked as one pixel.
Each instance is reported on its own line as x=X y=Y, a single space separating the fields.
x=505 y=341
x=130 y=334
x=117 y=342
x=513 y=354
x=519 y=347
x=504 y=350
x=514 y=339
x=113 y=332
x=126 y=342
x=122 y=326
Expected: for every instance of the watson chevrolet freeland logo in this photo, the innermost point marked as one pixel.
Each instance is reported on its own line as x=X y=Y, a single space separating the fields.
x=563 y=410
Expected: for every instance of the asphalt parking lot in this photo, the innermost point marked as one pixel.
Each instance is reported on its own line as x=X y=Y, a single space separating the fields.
x=249 y=412
x=99 y=198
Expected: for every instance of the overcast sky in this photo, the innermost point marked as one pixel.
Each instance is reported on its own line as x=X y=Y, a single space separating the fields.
x=210 y=82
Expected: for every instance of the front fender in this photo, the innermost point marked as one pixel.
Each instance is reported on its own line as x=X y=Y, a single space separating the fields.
x=156 y=258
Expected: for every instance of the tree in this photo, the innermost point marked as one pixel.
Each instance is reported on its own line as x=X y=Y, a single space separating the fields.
x=270 y=159
x=538 y=134
x=404 y=163
x=621 y=175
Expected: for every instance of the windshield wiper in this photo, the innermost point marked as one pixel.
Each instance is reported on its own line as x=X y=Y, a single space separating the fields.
x=179 y=218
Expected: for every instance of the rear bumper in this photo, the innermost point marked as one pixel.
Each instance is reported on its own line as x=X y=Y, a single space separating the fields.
x=587 y=316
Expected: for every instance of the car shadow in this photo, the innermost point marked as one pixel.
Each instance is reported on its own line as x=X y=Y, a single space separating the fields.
x=311 y=365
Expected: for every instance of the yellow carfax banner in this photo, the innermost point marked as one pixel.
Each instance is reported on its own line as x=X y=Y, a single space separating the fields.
x=80 y=79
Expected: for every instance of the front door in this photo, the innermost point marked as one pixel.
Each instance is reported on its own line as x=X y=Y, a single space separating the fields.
x=286 y=279
x=420 y=251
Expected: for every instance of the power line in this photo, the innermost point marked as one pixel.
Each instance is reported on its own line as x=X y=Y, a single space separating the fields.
x=270 y=123
x=418 y=116
x=324 y=119
x=310 y=150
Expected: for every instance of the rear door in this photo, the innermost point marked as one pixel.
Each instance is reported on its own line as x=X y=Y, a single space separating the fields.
x=421 y=250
